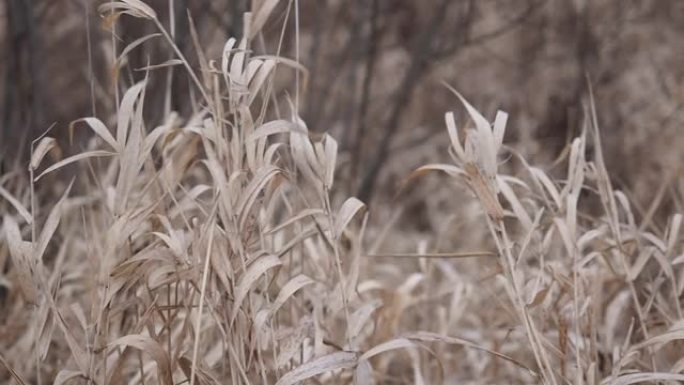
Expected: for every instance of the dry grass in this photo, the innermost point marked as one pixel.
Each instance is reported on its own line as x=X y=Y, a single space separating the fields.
x=216 y=249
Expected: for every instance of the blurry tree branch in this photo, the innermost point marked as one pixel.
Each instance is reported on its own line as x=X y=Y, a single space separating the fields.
x=317 y=111
x=371 y=55
x=356 y=53
x=513 y=23
x=21 y=107
x=420 y=58
x=427 y=49
x=321 y=7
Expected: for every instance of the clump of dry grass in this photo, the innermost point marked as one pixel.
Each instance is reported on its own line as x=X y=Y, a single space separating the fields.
x=215 y=249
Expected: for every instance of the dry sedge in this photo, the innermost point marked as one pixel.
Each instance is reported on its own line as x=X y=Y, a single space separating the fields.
x=483 y=191
x=220 y=245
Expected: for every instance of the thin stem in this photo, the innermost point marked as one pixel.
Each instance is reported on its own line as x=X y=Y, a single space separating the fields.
x=180 y=55
x=198 y=321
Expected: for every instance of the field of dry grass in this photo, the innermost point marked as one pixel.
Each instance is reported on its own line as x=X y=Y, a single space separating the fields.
x=223 y=247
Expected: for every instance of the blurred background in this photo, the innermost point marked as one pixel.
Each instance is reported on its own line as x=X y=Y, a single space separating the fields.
x=375 y=73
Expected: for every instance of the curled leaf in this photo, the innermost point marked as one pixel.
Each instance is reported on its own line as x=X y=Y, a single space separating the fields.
x=333 y=361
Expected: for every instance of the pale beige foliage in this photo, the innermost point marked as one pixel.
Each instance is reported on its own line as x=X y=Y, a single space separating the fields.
x=218 y=248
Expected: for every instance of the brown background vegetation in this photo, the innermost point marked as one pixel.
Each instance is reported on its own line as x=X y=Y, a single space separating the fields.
x=375 y=68
x=570 y=253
